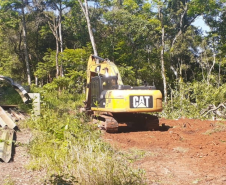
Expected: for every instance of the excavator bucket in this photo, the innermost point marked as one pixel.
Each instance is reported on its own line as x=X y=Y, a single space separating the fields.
x=7 y=125
x=6 y=144
x=6 y=135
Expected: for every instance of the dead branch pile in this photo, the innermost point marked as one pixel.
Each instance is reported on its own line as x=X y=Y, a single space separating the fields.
x=219 y=111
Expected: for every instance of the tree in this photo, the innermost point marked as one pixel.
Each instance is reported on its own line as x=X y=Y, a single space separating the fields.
x=160 y=8
x=55 y=24
x=12 y=5
x=86 y=14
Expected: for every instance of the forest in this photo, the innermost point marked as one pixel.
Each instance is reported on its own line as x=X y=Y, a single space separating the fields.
x=47 y=43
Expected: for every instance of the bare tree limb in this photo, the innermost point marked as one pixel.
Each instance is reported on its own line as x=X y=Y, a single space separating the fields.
x=86 y=13
x=215 y=110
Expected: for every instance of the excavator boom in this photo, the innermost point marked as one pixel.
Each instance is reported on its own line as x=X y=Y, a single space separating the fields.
x=23 y=93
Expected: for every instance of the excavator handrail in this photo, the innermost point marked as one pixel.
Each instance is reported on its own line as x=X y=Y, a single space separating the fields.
x=97 y=57
x=23 y=93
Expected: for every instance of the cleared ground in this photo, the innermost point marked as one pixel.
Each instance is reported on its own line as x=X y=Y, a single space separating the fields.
x=184 y=151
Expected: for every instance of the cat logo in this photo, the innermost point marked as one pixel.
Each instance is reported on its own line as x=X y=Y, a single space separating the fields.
x=141 y=102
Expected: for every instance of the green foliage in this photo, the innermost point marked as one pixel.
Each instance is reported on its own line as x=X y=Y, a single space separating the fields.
x=9 y=61
x=205 y=95
x=128 y=75
x=8 y=181
x=130 y=4
x=71 y=149
x=58 y=83
x=200 y=6
x=130 y=34
x=9 y=64
x=74 y=65
x=43 y=69
x=188 y=99
x=63 y=101
x=75 y=62
x=9 y=96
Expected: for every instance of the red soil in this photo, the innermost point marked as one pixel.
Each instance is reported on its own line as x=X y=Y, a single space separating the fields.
x=184 y=151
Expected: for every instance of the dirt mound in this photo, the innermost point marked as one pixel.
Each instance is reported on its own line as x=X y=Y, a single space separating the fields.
x=184 y=151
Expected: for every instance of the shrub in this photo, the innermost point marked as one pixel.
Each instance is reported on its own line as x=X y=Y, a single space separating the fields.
x=188 y=99
x=71 y=150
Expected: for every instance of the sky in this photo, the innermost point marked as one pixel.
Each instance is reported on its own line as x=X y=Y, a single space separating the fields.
x=201 y=24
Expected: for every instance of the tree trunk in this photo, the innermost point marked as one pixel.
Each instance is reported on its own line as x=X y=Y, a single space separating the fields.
x=162 y=56
x=219 y=74
x=86 y=13
x=54 y=29
x=61 y=49
x=163 y=65
x=61 y=39
x=214 y=61
x=57 y=53
x=25 y=45
x=36 y=81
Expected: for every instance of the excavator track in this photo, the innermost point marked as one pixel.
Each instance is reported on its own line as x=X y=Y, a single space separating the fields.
x=110 y=124
x=106 y=122
x=141 y=121
x=138 y=120
x=6 y=141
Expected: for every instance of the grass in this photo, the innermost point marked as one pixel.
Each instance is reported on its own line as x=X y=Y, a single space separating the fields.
x=72 y=151
x=134 y=154
x=218 y=127
x=8 y=181
x=180 y=149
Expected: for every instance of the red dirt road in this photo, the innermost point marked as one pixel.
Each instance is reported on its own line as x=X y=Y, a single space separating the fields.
x=184 y=151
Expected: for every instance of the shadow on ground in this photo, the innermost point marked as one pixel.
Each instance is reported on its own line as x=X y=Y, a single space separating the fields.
x=138 y=128
x=61 y=180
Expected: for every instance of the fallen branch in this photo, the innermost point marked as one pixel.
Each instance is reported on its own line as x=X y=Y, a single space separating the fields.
x=215 y=110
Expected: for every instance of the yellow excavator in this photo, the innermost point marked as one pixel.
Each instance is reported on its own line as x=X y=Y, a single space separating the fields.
x=110 y=102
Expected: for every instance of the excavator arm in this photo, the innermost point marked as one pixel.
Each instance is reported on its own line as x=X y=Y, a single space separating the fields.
x=23 y=93
x=7 y=125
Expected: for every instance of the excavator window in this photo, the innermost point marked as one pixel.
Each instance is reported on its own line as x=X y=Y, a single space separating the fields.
x=109 y=83
x=95 y=90
x=99 y=84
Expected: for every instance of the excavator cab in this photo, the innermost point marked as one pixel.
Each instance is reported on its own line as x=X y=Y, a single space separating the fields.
x=99 y=86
